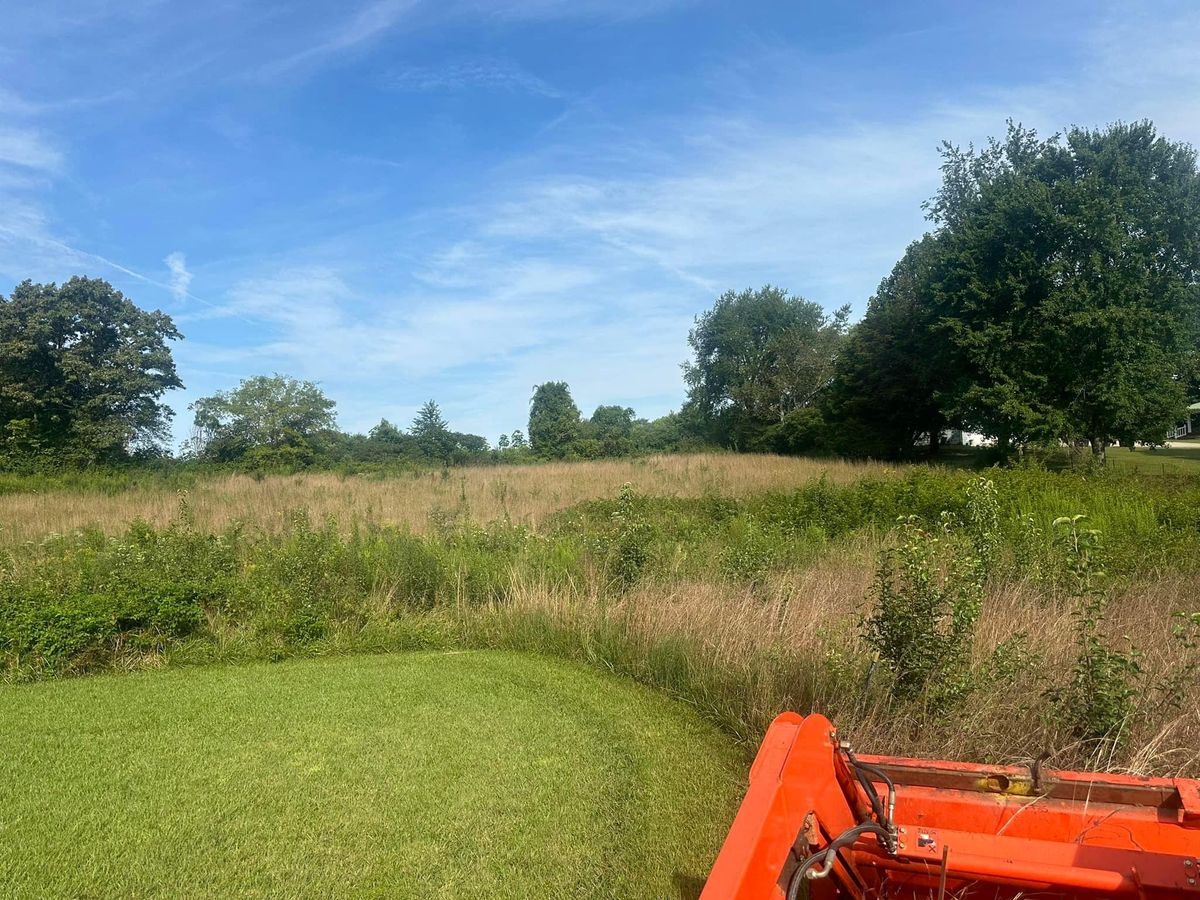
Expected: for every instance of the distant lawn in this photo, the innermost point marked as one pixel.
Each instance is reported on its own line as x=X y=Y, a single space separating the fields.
x=1167 y=461
x=478 y=774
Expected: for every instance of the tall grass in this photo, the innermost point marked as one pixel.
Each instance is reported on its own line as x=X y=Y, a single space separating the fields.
x=740 y=656
x=739 y=602
x=34 y=506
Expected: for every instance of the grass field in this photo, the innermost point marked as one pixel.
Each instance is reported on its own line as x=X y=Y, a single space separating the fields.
x=1163 y=461
x=479 y=774
x=739 y=584
x=525 y=495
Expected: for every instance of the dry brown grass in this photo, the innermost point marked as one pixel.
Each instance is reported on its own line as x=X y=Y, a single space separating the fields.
x=792 y=643
x=526 y=494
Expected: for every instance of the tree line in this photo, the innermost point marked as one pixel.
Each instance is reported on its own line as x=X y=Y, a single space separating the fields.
x=1054 y=300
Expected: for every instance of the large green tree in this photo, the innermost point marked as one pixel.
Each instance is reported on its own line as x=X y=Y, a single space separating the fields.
x=554 y=424
x=611 y=428
x=82 y=372
x=886 y=398
x=1069 y=293
x=266 y=411
x=386 y=440
x=757 y=356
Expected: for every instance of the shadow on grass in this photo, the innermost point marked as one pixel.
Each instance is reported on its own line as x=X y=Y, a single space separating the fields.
x=687 y=887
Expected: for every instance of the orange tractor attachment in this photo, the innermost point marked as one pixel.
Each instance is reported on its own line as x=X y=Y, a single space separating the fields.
x=822 y=822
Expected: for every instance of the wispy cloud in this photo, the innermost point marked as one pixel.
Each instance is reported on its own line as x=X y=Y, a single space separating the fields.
x=365 y=24
x=24 y=237
x=482 y=74
x=374 y=19
x=181 y=278
x=29 y=149
x=583 y=258
x=546 y=10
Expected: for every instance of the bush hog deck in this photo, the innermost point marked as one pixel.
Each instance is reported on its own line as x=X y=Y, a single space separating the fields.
x=817 y=820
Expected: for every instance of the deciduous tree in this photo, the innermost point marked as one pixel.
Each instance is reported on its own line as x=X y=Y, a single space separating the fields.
x=611 y=427
x=82 y=372
x=1070 y=290
x=272 y=411
x=553 y=420
x=895 y=365
x=758 y=355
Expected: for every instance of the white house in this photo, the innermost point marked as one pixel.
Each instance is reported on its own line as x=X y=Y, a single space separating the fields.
x=1185 y=428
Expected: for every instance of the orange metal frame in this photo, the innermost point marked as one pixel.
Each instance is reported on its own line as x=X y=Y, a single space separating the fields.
x=961 y=830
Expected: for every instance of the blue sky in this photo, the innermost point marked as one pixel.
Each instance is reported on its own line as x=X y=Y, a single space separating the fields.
x=403 y=199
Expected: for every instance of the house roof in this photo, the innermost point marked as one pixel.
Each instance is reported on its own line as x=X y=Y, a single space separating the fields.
x=1195 y=407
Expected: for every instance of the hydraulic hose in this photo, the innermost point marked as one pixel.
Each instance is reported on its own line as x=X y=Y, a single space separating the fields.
x=828 y=854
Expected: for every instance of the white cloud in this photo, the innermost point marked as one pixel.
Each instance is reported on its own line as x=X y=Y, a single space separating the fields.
x=181 y=278
x=484 y=74
x=374 y=19
x=587 y=260
x=29 y=149
x=368 y=22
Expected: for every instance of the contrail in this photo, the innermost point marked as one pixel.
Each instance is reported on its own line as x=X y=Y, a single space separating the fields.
x=60 y=245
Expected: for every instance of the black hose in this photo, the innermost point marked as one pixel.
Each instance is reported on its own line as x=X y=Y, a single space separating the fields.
x=845 y=839
x=880 y=827
x=874 y=770
x=872 y=794
x=861 y=770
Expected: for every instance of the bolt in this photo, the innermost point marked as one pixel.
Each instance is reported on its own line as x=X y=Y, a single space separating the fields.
x=902 y=831
x=1187 y=863
x=1190 y=880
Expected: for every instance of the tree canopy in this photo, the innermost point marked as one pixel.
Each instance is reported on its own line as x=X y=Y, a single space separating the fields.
x=609 y=431
x=1055 y=300
x=82 y=373
x=431 y=434
x=554 y=424
x=758 y=355
x=266 y=411
x=1068 y=294
x=893 y=368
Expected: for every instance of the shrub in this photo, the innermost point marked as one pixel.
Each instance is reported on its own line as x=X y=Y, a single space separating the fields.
x=928 y=593
x=1098 y=701
x=749 y=551
x=630 y=547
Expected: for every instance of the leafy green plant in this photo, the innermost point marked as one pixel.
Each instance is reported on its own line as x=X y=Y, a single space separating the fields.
x=1173 y=689
x=928 y=596
x=1098 y=701
x=630 y=549
x=928 y=593
x=750 y=553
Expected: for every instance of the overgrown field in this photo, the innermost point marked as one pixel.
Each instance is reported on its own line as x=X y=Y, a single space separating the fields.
x=928 y=611
x=409 y=775
x=33 y=506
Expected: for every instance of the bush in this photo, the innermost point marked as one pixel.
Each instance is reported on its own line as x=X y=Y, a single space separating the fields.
x=801 y=431
x=928 y=596
x=1098 y=701
x=630 y=545
x=928 y=592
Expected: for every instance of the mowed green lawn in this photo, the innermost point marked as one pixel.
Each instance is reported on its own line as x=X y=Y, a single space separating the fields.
x=477 y=774
x=1165 y=461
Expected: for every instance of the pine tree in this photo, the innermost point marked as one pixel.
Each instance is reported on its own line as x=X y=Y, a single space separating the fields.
x=432 y=434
